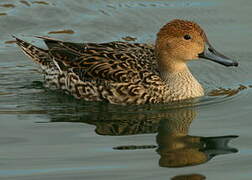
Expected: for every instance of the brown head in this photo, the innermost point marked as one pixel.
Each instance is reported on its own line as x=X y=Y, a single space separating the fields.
x=179 y=41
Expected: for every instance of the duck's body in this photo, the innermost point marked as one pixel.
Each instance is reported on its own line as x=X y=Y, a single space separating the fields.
x=117 y=72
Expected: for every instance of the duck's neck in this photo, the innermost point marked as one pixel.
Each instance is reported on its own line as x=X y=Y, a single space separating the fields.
x=168 y=67
x=180 y=81
x=177 y=76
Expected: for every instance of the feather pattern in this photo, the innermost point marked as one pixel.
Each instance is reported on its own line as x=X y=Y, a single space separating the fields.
x=117 y=72
x=128 y=73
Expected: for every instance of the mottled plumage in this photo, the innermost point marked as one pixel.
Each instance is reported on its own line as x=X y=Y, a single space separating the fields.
x=117 y=72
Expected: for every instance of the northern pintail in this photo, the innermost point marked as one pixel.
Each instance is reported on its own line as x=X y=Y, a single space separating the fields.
x=128 y=73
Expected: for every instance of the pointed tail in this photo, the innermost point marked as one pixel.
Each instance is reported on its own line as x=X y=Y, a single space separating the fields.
x=37 y=54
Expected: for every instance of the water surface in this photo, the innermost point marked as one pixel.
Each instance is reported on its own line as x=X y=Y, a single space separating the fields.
x=49 y=135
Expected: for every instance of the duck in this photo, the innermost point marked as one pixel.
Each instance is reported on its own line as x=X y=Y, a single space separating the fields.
x=128 y=73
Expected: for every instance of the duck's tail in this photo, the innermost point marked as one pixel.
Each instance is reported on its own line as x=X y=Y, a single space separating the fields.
x=37 y=54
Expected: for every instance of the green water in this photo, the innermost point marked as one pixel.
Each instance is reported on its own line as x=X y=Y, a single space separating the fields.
x=49 y=135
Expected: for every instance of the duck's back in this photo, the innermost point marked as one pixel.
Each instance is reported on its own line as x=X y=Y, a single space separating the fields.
x=118 y=72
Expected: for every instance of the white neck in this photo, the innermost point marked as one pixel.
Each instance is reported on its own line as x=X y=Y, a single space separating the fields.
x=182 y=84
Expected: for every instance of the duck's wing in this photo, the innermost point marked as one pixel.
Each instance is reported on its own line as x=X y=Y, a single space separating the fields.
x=119 y=72
x=93 y=47
x=114 y=61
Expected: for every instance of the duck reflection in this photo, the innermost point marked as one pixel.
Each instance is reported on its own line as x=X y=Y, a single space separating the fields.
x=175 y=147
x=178 y=149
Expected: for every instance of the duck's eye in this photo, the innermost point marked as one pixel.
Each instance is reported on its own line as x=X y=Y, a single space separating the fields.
x=187 y=37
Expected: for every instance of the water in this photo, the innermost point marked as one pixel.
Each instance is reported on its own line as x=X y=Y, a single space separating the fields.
x=48 y=135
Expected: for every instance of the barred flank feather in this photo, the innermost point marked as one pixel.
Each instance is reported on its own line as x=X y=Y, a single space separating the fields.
x=117 y=72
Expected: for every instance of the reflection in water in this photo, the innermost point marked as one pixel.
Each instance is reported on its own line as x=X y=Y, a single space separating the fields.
x=25 y=2
x=40 y=2
x=11 y=41
x=175 y=147
x=189 y=177
x=178 y=149
x=129 y=38
x=3 y=14
x=67 y=31
x=228 y=91
x=7 y=5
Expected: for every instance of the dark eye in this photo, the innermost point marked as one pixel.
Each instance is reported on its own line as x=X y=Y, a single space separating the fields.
x=187 y=37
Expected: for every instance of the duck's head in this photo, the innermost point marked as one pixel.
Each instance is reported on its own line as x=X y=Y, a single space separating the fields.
x=179 y=41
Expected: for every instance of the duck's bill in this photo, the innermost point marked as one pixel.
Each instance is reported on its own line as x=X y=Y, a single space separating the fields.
x=211 y=54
